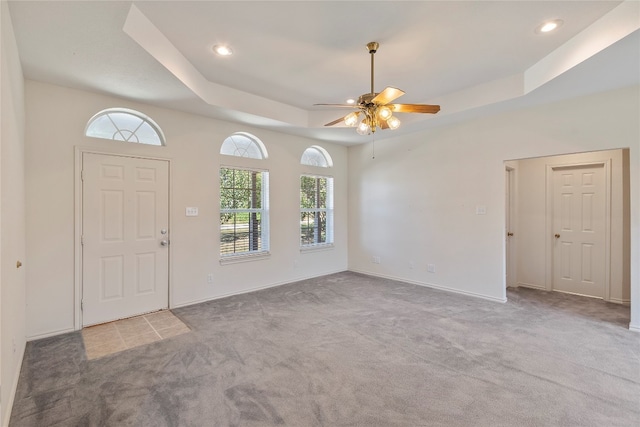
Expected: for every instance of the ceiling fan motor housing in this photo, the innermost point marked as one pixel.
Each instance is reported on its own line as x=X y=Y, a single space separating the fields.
x=365 y=100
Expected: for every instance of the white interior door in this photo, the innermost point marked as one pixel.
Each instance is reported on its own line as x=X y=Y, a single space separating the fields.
x=579 y=230
x=125 y=220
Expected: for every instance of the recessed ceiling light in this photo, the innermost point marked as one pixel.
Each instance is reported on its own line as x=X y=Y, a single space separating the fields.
x=222 y=50
x=548 y=26
x=351 y=101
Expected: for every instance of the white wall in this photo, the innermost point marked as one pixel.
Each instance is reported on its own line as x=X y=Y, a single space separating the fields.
x=416 y=201
x=56 y=118
x=530 y=222
x=12 y=208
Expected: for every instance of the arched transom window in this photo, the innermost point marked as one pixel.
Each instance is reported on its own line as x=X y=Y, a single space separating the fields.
x=242 y=144
x=316 y=156
x=121 y=124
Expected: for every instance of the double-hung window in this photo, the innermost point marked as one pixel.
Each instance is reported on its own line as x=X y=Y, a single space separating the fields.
x=316 y=210
x=244 y=211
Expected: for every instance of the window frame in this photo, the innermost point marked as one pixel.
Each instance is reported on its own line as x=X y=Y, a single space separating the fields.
x=253 y=140
x=329 y=215
x=264 y=238
x=119 y=130
x=328 y=161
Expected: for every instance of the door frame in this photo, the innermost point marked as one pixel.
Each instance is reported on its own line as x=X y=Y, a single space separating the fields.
x=77 y=179
x=511 y=210
x=606 y=164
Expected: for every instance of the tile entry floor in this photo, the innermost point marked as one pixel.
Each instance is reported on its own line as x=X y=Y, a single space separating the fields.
x=113 y=337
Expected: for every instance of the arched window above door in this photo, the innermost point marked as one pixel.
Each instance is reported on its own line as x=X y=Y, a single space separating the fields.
x=243 y=144
x=122 y=124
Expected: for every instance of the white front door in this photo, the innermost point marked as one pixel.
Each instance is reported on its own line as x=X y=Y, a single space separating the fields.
x=579 y=230
x=125 y=224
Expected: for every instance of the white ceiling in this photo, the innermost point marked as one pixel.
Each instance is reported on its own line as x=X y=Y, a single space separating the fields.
x=473 y=57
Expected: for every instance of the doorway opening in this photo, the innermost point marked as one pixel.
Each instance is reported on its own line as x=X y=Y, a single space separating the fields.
x=567 y=224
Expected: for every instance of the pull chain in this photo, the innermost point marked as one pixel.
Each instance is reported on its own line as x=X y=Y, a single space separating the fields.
x=373 y=146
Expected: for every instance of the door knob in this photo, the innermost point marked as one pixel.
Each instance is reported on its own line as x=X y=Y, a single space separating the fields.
x=557 y=236
x=510 y=234
x=164 y=242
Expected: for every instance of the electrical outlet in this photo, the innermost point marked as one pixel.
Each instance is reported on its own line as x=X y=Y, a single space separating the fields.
x=431 y=268
x=295 y=264
x=375 y=260
x=210 y=278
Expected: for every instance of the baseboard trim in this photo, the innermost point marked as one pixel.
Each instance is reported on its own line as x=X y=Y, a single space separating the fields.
x=258 y=288
x=431 y=285
x=620 y=301
x=50 y=334
x=14 y=389
x=531 y=286
x=634 y=328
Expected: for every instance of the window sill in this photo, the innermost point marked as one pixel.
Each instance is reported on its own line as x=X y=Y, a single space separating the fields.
x=234 y=259
x=316 y=248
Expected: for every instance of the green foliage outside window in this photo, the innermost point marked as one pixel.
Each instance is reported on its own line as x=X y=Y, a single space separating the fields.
x=240 y=210
x=313 y=210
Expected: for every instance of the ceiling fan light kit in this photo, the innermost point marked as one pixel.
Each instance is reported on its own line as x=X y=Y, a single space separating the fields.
x=376 y=110
x=351 y=119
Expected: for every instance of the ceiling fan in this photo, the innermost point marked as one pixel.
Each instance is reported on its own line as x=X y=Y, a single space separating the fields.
x=376 y=110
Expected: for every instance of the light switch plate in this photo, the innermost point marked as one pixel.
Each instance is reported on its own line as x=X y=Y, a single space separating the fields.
x=191 y=211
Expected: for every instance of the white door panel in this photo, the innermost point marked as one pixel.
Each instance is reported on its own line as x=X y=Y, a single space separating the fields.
x=125 y=211
x=579 y=225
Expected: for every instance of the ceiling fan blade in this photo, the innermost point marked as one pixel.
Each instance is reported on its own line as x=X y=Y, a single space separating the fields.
x=414 y=108
x=335 y=122
x=337 y=105
x=387 y=95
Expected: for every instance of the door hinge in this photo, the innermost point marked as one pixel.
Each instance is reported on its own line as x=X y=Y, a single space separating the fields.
x=81 y=305
x=81 y=240
x=82 y=175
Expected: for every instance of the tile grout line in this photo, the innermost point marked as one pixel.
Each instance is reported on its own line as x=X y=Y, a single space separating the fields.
x=154 y=329
x=124 y=343
x=92 y=348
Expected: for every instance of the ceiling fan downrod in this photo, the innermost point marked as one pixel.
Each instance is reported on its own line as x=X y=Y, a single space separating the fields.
x=373 y=47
